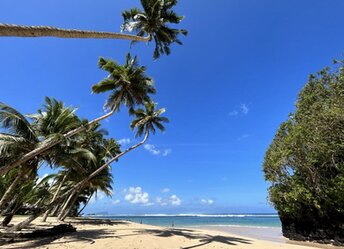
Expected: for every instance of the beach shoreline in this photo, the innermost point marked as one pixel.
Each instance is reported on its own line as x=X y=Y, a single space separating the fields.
x=106 y=233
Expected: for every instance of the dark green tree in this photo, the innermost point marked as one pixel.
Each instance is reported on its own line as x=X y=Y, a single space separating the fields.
x=305 y=161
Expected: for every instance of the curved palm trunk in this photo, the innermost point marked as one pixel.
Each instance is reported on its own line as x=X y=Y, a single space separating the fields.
x=76 y=187
x=96 y=172
x=45 y=216
x=71 y=204
x=67 y=203
x=11 y=189
x=88 y=200
x=48 y=144
x=48 y=31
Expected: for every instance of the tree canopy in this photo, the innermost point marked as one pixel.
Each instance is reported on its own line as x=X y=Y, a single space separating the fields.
x=305 y=161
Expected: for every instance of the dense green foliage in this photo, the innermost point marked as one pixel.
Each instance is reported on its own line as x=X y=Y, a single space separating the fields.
x=154 y=21
x=305 y=162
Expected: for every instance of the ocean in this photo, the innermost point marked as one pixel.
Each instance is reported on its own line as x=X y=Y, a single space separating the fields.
x=259 y=226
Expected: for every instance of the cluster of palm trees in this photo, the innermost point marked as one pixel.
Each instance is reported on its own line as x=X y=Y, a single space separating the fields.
x=76 y=147
x=79 y=150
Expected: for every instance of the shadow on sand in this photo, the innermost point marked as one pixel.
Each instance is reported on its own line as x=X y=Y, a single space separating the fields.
x=90 y=235
x=204 y=239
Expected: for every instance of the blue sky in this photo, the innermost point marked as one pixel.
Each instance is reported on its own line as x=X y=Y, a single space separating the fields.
x=226 y=91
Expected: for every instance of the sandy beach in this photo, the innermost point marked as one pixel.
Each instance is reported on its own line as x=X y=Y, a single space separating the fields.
x=102 y=233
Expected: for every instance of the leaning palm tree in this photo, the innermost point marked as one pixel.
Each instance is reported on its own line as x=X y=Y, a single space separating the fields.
x=153 y=23
x=48 y=31
x=18 y=138
x=51 y=122
x=150 y=24
x=146 y=122
x=128 y=84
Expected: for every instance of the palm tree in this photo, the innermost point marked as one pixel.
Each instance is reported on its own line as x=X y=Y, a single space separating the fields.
x=44 y=31
x=149 y=24
x=153 y=22
x=51 y=122
x=92 y=143
x=18 y=138
x=128 y=84
x=146 y=122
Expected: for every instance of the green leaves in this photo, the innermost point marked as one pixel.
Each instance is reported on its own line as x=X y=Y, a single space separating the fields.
x=154 y=22
x=127 y=84
x=148 y=120
x=305 y=161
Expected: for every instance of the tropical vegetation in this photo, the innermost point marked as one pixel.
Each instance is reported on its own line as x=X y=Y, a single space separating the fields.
x=305 y=161
x=80 y=151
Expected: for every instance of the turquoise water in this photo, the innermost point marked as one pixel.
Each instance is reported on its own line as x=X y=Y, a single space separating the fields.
x=187 y=220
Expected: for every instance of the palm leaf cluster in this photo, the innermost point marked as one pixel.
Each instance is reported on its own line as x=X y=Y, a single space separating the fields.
x=153 y=21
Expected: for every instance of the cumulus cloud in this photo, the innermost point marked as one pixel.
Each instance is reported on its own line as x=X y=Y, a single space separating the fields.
x=165 y=190
x=172 y=200
x=135 y=195
x=166 y=152
x=151 y=148
x=207 y=201
x=175 y=201
x=242 y=109
x=124 y=141
x=155 y=151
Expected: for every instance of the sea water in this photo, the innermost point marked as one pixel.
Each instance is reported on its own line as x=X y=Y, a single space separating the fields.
x=258 y=226
x=189 y=220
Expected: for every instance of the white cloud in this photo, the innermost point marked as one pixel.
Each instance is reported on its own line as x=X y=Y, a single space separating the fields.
x=161 y=201
x=207 y=201
x=155 y=151
x=115 y=202
x=244 y=108
x=233 y=113
x=172 y=200
x=124 y=141
x=175 y=201
x=135 y=195
x=165 y=190
x=151 y=148
x=167 y=152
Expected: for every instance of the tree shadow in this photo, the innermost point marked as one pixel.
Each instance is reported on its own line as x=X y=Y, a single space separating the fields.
x=203 y=238
x=87 y=236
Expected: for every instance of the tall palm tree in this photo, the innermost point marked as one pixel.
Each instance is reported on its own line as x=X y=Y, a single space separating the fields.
x=128 y=84
x=153 y=23
x=149 y=24
x=146 y=122
x=44 y=31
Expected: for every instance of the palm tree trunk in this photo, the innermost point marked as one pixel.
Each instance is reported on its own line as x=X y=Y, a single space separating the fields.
x=66 y=204
x=71 y=204
x=48 y=144
x=55 y=210
x=45 y=216
x=101 y=168
x=11 y=189
x=76 y=187
x=88 y=200
x=44 y=31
